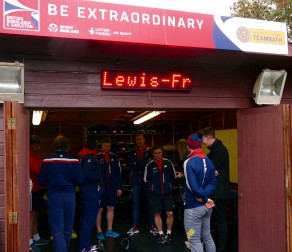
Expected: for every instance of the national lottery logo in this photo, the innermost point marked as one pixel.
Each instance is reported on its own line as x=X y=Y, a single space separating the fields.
x=21 y=15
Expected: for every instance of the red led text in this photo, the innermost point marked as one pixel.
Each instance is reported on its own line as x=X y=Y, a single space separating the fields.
x=143 y=80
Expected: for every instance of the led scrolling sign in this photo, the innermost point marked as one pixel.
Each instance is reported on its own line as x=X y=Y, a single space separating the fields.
x=144 y=80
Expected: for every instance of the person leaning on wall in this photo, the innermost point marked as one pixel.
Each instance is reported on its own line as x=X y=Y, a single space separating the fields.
x=219 y=156
x=60 y=173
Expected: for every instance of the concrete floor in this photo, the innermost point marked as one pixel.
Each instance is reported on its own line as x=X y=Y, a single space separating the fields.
x=142 y=242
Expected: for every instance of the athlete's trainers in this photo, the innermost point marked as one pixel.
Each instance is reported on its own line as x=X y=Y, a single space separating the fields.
x=111 y=233
x=100 y=236
x=133 y=230
x=34 y=248
x=160 y=239
x=153 y=230
x=167 y=238
x=41 y=242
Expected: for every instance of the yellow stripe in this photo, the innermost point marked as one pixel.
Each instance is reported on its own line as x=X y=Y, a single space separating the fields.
x=190 y=233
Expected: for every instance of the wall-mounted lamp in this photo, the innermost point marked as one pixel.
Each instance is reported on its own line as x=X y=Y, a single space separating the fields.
x=269 y=86
x=146 y=116
x=11 y=82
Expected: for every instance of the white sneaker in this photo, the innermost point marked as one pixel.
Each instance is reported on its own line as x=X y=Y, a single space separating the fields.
x=133 y=230
x=153 y=230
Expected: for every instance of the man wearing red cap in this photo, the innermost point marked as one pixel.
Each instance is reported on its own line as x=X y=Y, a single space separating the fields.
x=200 y=183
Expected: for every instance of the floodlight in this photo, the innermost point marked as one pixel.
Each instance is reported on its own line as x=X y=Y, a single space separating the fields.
x=269 y=86
x=11 y=82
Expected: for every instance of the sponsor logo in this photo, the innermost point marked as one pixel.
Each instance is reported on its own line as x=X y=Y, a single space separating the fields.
x=62 y=28
x=267 y=37
x=53 y=27
x=260 y=36
x=21 y=15
x=243 y=34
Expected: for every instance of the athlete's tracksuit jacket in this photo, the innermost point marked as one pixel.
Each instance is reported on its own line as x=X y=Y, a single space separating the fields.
x=60 y=173
x=200 y=179
x=137 y=166
x=160 y=182
x=90 y=195
x=112 y=173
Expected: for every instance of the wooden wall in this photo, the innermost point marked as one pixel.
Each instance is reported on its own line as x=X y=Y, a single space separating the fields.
x=2 y=183
x=77 y=85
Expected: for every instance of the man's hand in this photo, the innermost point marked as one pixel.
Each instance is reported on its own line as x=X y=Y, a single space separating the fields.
x=210 y=203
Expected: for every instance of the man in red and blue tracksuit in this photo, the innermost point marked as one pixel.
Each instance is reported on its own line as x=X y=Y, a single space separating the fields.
x=159 y=177
x=137 y=160
x=90 y=192
x=60 y=173
x=112 y=179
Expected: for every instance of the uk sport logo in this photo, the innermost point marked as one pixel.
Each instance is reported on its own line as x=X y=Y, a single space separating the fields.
x=21 y=15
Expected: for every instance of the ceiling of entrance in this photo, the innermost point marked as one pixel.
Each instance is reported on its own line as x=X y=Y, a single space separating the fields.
x=123 y=117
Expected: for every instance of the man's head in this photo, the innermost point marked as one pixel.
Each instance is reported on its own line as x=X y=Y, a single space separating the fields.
x=208 y=136
x=106 y=144
x=140 y=139
x=195 y=141
x=91 y=143
x=35 y=143
x=157 y=152
x=61 y=143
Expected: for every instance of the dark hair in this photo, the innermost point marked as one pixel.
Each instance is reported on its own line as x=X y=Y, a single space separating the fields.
x=156 y=147
x=208 y=131
x=105 y=140
x=61 y=142
x=91 y=143
x=34 y=139
x=140 y=133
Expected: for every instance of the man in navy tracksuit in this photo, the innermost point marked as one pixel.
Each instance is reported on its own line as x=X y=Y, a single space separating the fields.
x=160 y=178
x=112 y=179
x=137 y=160
x=90 y=192
x=61 y=172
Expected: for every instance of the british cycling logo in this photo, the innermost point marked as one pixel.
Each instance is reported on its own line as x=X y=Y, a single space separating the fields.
x=21 y=15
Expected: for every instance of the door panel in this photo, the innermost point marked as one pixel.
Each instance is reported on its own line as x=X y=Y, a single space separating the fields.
x=262 y=167
x=17 y=174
